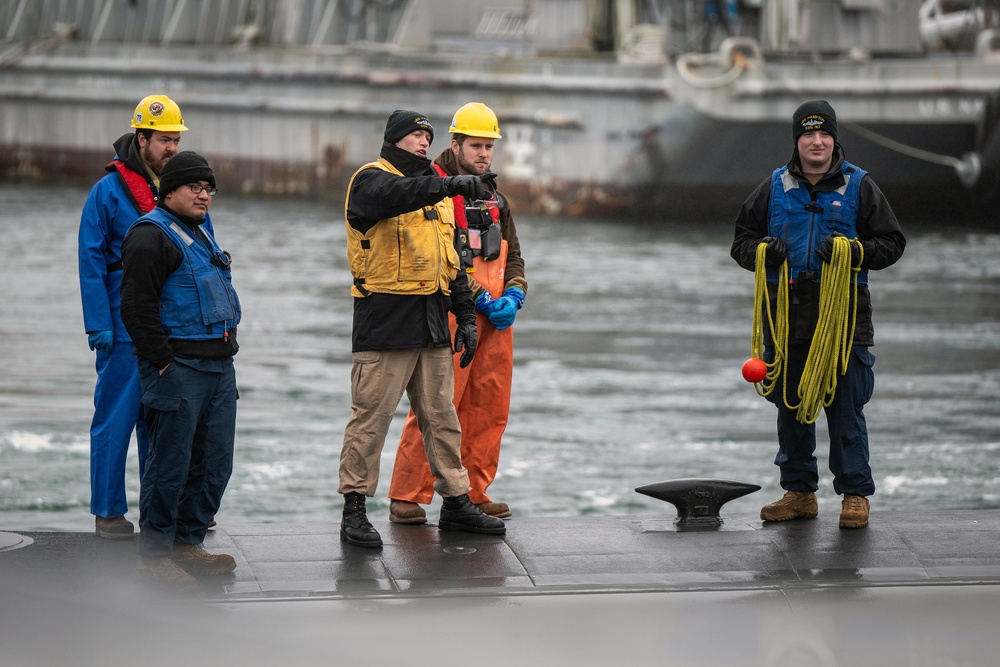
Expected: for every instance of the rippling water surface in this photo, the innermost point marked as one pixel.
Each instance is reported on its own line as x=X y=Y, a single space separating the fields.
x=627 y=368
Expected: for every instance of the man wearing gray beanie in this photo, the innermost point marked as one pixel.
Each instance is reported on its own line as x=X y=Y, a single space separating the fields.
x=407 y=276
x=181 y=311
x=796 y=213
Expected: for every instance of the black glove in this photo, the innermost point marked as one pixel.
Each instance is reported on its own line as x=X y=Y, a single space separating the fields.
x=776 y=250
x=465 y=337
x=825 y=250
x=470 y=187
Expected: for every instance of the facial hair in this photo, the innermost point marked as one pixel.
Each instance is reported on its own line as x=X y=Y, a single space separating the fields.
x=470 y=167
x=146 y=152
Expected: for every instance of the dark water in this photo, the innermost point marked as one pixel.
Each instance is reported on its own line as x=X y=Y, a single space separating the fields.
x=628 y=357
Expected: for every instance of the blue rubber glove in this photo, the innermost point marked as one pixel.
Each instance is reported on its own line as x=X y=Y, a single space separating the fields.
x=485 y=303
x=101 y=340
x=505 y=308
x=515 y=293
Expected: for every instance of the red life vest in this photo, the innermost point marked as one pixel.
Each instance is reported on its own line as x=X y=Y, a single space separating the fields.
x=461 y=219
x=459 y=200
x=137 y=187
x=469 y=242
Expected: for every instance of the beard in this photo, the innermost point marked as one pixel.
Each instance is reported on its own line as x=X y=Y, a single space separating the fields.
x=146 y=152
x=477 y=169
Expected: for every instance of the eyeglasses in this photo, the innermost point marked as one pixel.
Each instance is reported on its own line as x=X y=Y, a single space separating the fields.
x=198 y=187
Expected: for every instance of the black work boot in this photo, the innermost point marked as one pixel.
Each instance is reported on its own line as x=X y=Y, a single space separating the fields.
x=458 y=513
x=355 y=527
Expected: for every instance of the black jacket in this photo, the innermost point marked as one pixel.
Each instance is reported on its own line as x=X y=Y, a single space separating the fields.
x=877 y=228
x=402 y=321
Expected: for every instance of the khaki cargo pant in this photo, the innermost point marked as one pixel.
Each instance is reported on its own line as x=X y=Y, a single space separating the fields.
x=378 y=380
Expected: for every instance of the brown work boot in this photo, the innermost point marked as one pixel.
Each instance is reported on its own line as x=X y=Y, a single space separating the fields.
x=499 y=510
x=402 y=511
x=194 y=560
x=162 y=571
x=855 y=511
x=114 y=528
x=793 y=505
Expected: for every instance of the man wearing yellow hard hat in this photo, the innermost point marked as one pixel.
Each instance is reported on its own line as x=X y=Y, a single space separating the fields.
x=127 y=192
x=496 y=275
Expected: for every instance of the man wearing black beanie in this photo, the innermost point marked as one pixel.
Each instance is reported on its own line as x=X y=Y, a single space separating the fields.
x=407 y=276
x=181 y=311
x=796 y=214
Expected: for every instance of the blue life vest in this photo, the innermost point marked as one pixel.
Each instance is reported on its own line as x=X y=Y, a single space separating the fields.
x=198 y=301
x=802 y=224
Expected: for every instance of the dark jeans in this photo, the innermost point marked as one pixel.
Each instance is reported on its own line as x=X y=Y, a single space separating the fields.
x=845 y=419
x=191 y=416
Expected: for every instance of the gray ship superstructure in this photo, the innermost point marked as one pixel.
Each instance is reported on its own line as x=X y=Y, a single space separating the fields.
x=639 y=109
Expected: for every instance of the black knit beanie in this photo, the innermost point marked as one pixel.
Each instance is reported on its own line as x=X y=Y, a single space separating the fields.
x=183 y=168
x=402 y=122
x=814 y=115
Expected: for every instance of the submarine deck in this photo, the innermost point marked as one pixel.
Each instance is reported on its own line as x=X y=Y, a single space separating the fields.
x=912 y=587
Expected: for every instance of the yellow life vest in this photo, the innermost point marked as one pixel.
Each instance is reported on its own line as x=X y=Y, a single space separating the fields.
x=412 y=253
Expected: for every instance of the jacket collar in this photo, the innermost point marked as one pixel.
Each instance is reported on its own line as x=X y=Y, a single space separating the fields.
x=406 y=162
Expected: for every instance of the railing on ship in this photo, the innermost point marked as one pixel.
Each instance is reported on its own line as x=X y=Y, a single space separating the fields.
x=306 y=23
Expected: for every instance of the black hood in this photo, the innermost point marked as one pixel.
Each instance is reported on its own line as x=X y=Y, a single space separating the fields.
x=127 y=151
x=448 y=162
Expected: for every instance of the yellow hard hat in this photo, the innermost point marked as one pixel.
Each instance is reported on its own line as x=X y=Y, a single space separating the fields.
x=475 y=119
x=160 y=113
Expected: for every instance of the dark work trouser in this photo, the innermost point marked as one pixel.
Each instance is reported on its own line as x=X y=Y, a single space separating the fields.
x=191 y=417
x=845 y=418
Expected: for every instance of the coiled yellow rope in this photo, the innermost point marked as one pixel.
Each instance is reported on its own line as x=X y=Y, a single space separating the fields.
x=832 y=340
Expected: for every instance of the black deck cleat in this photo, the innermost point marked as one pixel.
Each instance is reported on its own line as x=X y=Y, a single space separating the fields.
x=698 y=501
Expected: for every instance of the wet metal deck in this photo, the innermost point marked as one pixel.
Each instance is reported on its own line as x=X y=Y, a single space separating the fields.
x=913 y=587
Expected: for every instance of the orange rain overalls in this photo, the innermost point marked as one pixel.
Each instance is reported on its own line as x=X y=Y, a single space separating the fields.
x=482 y=400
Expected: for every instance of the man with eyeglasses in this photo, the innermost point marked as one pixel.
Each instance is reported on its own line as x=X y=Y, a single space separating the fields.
x=179 y=306
x=113 y=204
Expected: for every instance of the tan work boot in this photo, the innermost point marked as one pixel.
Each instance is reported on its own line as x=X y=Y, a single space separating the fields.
x=194 y=560
x=793 y=505
x=499 y=510
x=855 y=512
x=164 y=572
x=401 y=511
x=114 y=528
